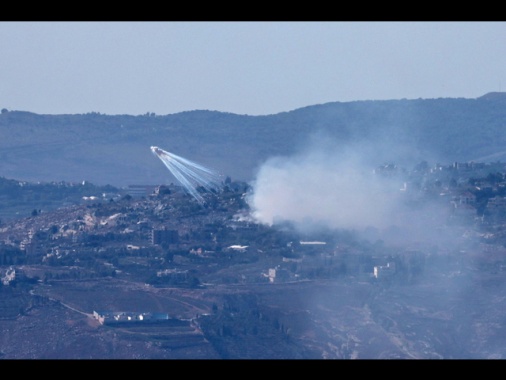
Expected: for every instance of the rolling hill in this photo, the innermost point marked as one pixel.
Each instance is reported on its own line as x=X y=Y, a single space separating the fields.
x=114 y=149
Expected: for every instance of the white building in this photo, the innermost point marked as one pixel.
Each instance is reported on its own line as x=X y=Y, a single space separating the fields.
x=384 y=271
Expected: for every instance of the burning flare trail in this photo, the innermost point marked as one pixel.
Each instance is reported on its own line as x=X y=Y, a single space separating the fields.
x=190 y=174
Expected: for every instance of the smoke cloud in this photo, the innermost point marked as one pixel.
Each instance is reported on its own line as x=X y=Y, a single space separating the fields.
x=338 y=187
x=322 y=188
x=384 y=192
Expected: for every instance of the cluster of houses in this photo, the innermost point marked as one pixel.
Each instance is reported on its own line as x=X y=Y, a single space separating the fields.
x=471 y=191
x=153 y=221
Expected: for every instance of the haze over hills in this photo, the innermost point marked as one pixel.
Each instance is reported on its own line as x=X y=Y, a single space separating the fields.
x=114 y=149
x=330 y=251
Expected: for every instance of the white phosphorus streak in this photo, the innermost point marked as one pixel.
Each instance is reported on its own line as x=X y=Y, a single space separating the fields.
x=190 y=174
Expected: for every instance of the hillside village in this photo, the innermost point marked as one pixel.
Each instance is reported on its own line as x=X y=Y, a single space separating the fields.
x=162 y=236
x=197 y=276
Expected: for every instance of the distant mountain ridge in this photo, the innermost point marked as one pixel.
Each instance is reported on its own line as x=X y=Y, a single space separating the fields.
x=114 y=149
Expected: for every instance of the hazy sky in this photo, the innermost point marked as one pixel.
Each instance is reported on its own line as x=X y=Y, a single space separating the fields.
x=254 y=68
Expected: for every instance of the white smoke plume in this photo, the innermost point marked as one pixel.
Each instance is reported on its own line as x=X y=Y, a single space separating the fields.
x=335 y=187
x=322 y=188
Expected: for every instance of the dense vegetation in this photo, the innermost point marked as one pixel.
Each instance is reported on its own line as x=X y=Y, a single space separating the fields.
x=114 y=149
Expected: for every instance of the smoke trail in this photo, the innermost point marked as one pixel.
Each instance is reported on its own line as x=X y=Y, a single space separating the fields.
x=190 y=174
